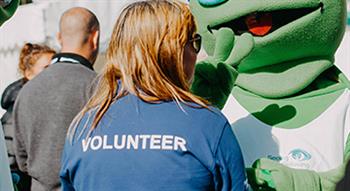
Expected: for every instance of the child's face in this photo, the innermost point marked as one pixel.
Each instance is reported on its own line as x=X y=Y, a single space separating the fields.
x=42 y=63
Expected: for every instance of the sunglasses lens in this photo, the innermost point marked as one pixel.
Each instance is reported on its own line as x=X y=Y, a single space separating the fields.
x=211 y=3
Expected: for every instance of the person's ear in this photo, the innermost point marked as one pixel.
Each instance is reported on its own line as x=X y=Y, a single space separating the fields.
x=95 y=39
x=59 y=38
x=28 y=74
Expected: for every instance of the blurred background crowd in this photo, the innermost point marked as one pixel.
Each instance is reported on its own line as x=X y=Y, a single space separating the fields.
x=35 y=21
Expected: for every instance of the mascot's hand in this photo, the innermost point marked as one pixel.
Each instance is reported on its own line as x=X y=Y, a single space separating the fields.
x=268 y=175
x=214 y=77
x=214 y=82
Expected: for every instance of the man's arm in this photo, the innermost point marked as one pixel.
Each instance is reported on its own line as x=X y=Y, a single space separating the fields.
x=18 y=141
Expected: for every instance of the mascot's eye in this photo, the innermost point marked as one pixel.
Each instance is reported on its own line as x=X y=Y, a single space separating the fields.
x=211 y=3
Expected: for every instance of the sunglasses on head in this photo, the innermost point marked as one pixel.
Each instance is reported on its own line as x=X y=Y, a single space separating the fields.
x=196 y=42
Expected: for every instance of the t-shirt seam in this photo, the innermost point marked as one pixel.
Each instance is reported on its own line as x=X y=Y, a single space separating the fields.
x=217 y=145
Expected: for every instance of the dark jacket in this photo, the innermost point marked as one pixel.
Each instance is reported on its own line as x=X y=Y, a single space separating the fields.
x=8 y=99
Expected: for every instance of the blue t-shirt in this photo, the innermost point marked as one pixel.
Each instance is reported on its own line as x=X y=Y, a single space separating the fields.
x=142 y=146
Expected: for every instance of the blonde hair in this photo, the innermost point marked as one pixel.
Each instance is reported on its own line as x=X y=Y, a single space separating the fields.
x=146 y=55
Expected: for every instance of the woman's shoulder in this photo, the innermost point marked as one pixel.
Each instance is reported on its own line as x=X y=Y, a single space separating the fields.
x=211 y=112
x=210 y=116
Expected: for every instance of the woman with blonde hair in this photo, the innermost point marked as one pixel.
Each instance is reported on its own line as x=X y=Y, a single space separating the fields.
x=143 y=129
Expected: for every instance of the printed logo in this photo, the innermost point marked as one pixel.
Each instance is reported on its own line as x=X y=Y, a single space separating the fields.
x=296 y=158
x=274 y=158
x=299 y=155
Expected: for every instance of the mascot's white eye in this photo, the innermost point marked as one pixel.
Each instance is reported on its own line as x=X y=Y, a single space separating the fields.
x=4 y=3
x=210 y=3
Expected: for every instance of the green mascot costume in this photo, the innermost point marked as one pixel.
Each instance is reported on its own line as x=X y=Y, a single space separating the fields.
x=271 y=68
x=7 y=9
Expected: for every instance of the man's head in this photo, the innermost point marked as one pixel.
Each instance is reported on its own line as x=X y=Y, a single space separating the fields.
x=79 y=32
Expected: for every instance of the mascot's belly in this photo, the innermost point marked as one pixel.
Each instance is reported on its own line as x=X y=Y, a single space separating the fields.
x=318 y=145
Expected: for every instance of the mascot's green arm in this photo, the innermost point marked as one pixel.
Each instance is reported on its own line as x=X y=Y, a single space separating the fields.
x=270 y=175
x=330 y=179
x=8 y=11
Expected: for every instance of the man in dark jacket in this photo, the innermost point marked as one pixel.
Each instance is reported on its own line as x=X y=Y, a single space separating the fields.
x=47 y=104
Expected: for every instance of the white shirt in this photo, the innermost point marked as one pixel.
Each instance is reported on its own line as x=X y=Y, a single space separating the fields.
x=318 y=145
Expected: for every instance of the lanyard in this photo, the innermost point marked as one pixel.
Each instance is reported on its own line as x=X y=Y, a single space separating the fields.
x=71 y=58
x=64 y=59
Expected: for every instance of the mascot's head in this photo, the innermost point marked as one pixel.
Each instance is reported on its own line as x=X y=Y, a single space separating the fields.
x=285 y=31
